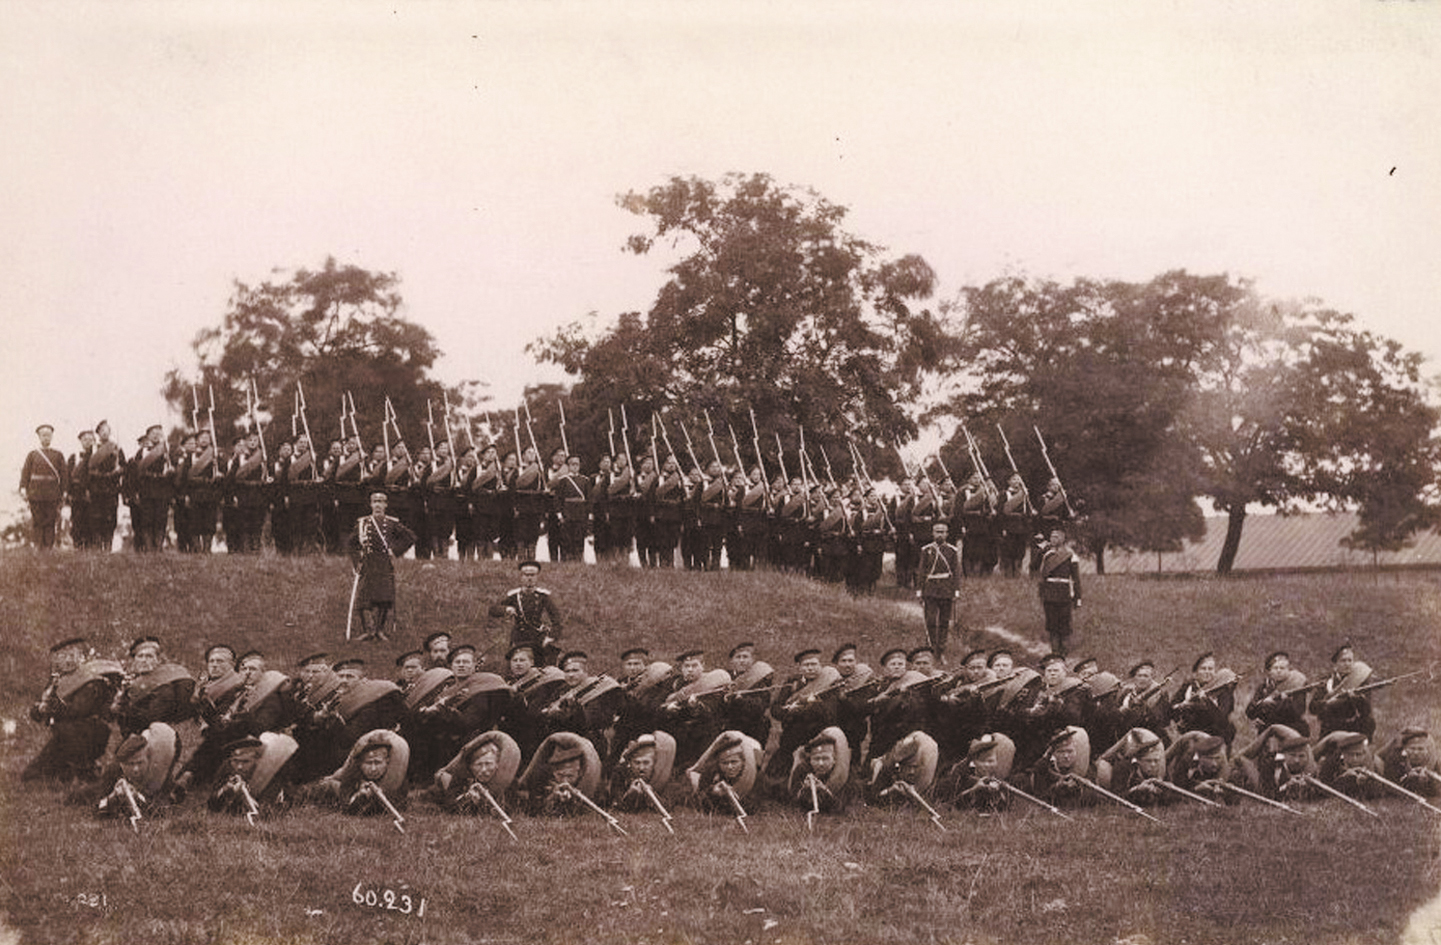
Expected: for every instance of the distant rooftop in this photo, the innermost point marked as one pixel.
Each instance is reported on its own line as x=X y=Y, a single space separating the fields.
x=1280 y=543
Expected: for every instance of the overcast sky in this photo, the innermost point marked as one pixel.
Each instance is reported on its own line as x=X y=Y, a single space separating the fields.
x=155 y=153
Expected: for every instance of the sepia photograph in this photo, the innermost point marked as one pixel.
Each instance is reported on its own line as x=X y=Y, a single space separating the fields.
x=722 y=473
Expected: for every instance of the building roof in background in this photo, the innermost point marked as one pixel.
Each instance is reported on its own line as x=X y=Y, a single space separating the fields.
x=1280 y=542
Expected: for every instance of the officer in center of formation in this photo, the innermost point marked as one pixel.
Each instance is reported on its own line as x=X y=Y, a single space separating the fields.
x=536 y=619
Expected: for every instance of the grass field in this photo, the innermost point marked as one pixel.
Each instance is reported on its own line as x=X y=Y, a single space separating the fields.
x=1240 y=875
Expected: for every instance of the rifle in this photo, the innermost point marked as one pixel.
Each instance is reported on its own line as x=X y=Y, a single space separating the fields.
x=1025 y=493
x=251 y=808
x=430 y=426
x=710 y=432
x=305 y=425
x=736 y=449
x=214 y=440
x=1155 y=688
x=1177 y=789
x=909 y=790
x=1092 y=785
x=1031 y=797
x=530 y=431
x=625 y=442
x=1375 y=685
x=564 y=443
x=295 y=415
x=132 y=800
x=1235 y=789
x=670 y=450
x=495 y=806
x=859 y=465
x=385 y=430
x=252 y=400
x=1328 y=789
x=354 y=427
x=1052 y=467
x=830 y=473
x=815 y=802
x=570 y=790
x=735 y=803
x=450 y=438
x=655 y=446
x=649 y=792
x=610 y=433
x=194 y=408
x=379 y=792
x=519 y=452
x=1367 y=772
x=781 y=458
x=689 y=448
x=756 y=442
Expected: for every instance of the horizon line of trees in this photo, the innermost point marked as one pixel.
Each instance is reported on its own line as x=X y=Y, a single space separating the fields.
x=1150 y=394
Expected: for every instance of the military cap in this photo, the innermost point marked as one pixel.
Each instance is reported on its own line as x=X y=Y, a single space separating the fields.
x=249 y=654
x=528 y=564
x=1208 y=744
x=639 y=745
x=1208 y=655
x=315 y=658
x=1292 y=742
x=154 y=426
x=1050 y=658
x=1144 y=664
x=102 y=423
x=1087 y=661
x=1413 y=733
x=238 y=440
x=144 y=642
x=842 y=649
x=1336 y=653
x=826 y=737
x=893 y=651
x=378 y=493
x=131 y=747
x=1103 y=684
x=1348 y=740
x=573 y=655
x=740 y=646
x=187 y=436
x=918 y=651
x=562 y=752
x=980 y=746
x=84 y=433
x=972 y=655
x=906 y=748
x=1062 y=737
x=223 y=646
x=689 y=655
x=643 y=652
x=1137 y=742
x=355 y=661
x=727 y=740
x=67 y=644
x=240 y=744
x=142 y=439
x=806 y=654
x=43 y=427
x=998 y=653
x=1271 y=658
x=417 y=654
x=439 y=634
x=462 y=648
x=527 y=647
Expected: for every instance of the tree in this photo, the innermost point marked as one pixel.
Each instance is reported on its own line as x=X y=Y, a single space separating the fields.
x=1103 y=368
x=335 y=330
x=1296 y=404
x=771 y=305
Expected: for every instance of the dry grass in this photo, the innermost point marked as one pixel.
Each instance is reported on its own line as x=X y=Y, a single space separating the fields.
x=1240 y=875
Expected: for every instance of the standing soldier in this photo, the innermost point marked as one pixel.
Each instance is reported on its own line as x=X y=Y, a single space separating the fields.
x=81 y=517
x=107 y=466
x=199 y=480
x=572 y=498
x=537 y=620
x=600 y=511
x=751 y=502
x=153 y=489
x=907 y=551
x=1060 y=589
x=531 y=499
x=44 y=480
x=976 y=512
x=440 y=500
x=1052 y=513
x=1015 y=523
x=714 y=512
x=939 y=573
x=488 y=510
x=303 y=487
x=346 y=478
x=624 y=506
x=377 y=540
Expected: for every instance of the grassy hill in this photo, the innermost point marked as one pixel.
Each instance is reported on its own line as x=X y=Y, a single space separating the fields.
x=1244 y=874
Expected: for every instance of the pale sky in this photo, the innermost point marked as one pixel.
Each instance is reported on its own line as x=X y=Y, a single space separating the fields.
x=154 y=153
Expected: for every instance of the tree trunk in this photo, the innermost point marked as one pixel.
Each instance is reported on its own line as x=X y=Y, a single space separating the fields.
x=1101 y=559
x=1235 y=519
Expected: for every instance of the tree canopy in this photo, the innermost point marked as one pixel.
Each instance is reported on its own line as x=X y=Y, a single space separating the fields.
x=771 y=305
x=335 y=330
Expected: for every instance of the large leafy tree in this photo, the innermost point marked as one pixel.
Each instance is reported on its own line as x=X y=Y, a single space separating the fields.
x=1297 y=404
x=336 y=329
x=770 y=305
x=1103 y=369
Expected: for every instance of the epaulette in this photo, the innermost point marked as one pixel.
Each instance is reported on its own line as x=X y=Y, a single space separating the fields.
x=513 y=591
